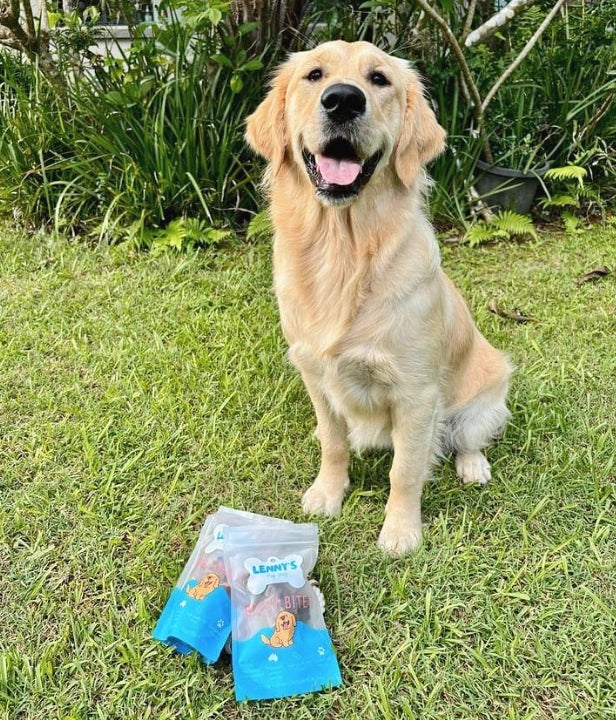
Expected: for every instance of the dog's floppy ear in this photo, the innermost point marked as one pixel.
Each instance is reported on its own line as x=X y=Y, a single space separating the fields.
x=421 y=138
x=265 y=128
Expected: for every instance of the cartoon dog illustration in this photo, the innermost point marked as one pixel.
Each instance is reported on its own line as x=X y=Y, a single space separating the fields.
x=206 y=585
x=284 y=630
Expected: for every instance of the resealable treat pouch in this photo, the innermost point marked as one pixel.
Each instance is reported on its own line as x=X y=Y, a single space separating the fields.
x=281 y=646
x=197 y=615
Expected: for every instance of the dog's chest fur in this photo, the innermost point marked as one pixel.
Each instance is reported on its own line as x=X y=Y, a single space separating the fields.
x=349 y=332
x=359 y=385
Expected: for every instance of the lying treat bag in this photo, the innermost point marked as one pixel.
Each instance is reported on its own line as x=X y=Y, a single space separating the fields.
x=281 y=646
x=197 y=615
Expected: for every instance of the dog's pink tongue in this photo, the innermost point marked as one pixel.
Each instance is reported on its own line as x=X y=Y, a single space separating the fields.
x=338 y=172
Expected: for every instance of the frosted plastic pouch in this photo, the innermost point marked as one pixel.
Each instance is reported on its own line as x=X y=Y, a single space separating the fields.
x=281 y=646
x=197 y=615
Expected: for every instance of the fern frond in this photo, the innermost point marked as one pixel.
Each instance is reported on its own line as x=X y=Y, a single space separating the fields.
x=173 y=235
x=195 y=229
x=500 y=227
x=514 y=223
x=183 y=233
x=260 y=227
x=214 y=236
x=559 y=201
x=568 y=172
x=482 y=232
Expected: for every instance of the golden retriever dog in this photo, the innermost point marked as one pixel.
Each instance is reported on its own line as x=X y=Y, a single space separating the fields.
x=205 y=586
x=283 y=632
x=384 y=342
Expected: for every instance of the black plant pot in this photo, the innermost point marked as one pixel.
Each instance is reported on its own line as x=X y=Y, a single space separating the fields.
x=508 y=189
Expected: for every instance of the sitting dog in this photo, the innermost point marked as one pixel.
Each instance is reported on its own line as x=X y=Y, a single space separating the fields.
x=384 y=342
x=283 y=632
x=208 y=583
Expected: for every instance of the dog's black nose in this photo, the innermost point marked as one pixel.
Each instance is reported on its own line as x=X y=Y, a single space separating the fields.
x=343 y=102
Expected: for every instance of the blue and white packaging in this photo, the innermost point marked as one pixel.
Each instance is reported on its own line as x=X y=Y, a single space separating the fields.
x=281 y=646
x=197 y=615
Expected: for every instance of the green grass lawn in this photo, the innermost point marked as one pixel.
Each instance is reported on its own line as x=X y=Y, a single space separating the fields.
x=139 y=393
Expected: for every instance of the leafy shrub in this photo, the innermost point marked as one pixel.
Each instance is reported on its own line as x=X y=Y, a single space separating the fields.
x=125 y=147
x=148 y=138
x=560 y=104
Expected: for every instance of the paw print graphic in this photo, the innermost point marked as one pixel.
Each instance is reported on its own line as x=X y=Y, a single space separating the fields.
x=220 y=623
x=321 y=650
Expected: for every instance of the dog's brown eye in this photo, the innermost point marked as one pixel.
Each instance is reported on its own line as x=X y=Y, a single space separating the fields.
x=377 y=78
x=314 y=75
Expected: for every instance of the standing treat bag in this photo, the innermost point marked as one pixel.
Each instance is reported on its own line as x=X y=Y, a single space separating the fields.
x=281 y=646
x=197 y=615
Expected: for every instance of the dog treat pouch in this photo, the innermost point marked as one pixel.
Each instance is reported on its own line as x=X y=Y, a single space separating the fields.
x=281 y=646
x=197 y=615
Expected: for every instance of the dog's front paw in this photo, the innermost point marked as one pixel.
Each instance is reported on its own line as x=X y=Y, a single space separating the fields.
x=473 y=467
x=399 y=536
x=323 y=499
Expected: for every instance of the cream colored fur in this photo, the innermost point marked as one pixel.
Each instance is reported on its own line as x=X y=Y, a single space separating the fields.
x=384 y=342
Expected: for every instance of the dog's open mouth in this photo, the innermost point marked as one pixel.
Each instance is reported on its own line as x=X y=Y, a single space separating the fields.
x=338 y=173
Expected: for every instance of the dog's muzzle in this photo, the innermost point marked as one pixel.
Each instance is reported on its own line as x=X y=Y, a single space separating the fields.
x=338 y=173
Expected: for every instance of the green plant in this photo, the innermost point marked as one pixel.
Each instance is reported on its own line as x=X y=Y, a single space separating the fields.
x=513 y=141
x=560 y=105
x=149 y=137
x=502 y=226
x=260 y=227
x=569 y=181
x=180 y=234
x=386 y=23
x=567 y=193
x=157 y=134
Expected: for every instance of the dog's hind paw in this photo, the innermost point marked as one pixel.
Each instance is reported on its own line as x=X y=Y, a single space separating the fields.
x=473 y=467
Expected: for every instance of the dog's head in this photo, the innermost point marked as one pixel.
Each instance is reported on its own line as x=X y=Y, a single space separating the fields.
x=343 y=113
x=285 y=621
x=210 y=581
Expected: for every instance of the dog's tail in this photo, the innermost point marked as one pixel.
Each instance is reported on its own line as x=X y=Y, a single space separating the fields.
x=266 y=640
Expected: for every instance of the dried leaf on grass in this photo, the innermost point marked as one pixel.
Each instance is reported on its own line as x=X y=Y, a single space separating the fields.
x=515 y=315
x=593 y=275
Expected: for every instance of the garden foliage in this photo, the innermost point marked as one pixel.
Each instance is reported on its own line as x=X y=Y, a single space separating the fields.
x=127 y=145
x=137 y=147
x=560 y=105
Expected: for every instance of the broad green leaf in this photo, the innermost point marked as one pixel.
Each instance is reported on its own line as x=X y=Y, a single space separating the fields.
x=253 y=65
x=214 y=15
x=248 y=27
x=223 y=60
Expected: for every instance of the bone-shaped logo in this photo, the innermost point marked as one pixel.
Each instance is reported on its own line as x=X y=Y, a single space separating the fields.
x=216 y=543
x=262 y=573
